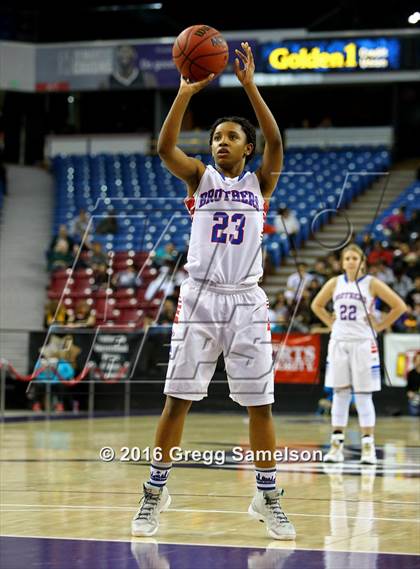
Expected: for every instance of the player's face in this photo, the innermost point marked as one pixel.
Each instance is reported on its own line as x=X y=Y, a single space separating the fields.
x=229 y=145
x=351 y=262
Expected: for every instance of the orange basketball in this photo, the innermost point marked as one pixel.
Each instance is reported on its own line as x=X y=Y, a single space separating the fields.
x=198 y=51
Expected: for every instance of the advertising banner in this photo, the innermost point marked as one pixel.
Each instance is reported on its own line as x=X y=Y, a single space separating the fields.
x=332 y=55
x=399 y=352
x=296 y=358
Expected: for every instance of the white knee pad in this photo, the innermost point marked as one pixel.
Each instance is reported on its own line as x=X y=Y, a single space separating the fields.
x=340 y=407
x=365 y=409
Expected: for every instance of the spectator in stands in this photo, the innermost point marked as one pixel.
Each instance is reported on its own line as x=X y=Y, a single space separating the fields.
x=379 y=253
x=101 y=276
x=286 y=223
x=301 y=313
x=56 y=363
x=128 y=278
x=413 y=224
x=381 y=271
x=52 y=316
x=413 y=387
x=400 y=253
x=97 y=257
x=297 y=282
x=333 y=265
x=62 y=235
x=399 y=234
x=413 y=296
x=413 y=265
x=166 y=281
x=398 y=218
x=167 y=314
x=81 y=228
x=83 y=316
x=61 y=257
x=165 y=253
x=279 y=314
x=108 y=224
x=367 y=244
x=402 y=284
x=314 y=287
x=319 y=272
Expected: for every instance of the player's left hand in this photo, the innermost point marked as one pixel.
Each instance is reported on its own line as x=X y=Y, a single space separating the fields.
x=246 y=74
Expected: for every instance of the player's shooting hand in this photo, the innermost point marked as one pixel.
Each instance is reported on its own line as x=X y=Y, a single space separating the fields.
x=246 y=73
x=187 y=86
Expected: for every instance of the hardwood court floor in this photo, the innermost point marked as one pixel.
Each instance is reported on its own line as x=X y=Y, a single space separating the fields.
x=54 y=485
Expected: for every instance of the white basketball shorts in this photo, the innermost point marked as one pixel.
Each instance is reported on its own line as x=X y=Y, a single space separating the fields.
x=355 y=364
x=208 y=323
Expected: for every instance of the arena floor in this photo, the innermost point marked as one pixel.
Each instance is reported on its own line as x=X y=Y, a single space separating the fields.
x=62 y=506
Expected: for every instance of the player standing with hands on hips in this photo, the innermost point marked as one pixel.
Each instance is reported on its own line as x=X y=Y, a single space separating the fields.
x=353 y=357
x=221 y=307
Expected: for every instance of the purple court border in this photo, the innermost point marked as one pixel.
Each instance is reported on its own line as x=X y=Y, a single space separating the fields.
x=47 y=553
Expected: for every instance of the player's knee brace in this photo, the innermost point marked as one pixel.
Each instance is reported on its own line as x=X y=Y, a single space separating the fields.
x=365 y=409
x=340 y=407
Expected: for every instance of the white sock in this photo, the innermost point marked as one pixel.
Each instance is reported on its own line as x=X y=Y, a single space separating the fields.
x=266 y=478
x=159 y=473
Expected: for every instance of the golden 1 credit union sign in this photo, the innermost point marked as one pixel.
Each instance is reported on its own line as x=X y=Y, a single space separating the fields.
x=362 y=54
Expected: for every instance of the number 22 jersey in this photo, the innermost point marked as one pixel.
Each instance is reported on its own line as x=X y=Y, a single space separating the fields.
x=352 y=303
x=227 y=226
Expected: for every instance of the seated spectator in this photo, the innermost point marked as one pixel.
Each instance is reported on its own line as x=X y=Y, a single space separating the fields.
x=81 y=228
x=302 y=314
x=367 y=243
x=413 y=224
x=165 y=281
x=83 y=316
x=165 y=253
x=395 y=219
x=412 y=261
x=56 y=363
x=402 y=284
x=313 y=288
x=167 y=314
x=286 y=223
x=175 y=294
x=101 y=276
x=60 y=257
x=413 y=387
x=413 y=296
x=108 y=224
x=128 y=278
x=52 y=316
x=319 y=272
x=379 y=253
x=97 y=257
x=399 y=234
x=297 y=282
x=381 y=271
x=62 y=235
x=333 y=266
x=279 y=314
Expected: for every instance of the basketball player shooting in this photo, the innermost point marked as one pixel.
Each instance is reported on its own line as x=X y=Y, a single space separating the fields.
x=221 y=307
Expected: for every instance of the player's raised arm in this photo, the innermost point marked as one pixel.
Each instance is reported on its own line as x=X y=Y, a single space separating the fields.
x=272 y=161
x=182 y=166
x=320 y=301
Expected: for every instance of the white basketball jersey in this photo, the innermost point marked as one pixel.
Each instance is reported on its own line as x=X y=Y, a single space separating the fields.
x=227 y=226
x=352 y=303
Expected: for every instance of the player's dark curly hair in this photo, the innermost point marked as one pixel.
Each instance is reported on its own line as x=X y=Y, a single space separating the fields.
x=248 y=128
